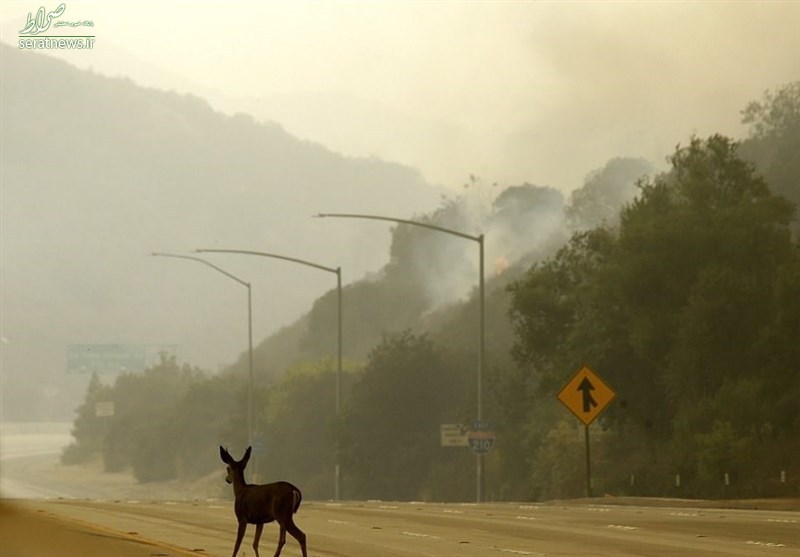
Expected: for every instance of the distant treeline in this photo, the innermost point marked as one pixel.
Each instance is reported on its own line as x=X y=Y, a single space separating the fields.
x=682 y=289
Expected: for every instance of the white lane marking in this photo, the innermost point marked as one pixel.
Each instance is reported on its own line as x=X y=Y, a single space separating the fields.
x=684 y=514
x=388 y=507
x=599 y=509
x=525 y=517
x=338 y=521
x=520 y=552
x=782 y=520
x=620 y=527
x=452 y=511
x=765 y=544
x=418 y=535
x=216 y=507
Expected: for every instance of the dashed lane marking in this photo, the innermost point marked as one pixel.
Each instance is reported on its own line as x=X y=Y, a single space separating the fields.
x=621 y=527
x=418 y=535
x=765 y=544
x=520 y=552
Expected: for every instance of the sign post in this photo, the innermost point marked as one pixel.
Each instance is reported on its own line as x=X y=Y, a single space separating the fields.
x=586 y=396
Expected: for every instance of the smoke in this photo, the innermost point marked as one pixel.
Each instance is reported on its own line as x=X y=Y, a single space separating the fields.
x=520 y=224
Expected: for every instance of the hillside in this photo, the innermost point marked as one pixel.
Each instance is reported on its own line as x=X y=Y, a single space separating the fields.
x=429 y=284
x=98 y=172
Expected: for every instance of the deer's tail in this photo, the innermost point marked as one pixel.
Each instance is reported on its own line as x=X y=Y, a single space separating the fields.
x=298 y=497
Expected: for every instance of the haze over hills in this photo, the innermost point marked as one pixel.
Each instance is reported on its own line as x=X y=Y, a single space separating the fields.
x=98 y=172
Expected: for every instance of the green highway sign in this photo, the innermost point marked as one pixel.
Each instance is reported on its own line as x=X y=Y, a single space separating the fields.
x=106 y=358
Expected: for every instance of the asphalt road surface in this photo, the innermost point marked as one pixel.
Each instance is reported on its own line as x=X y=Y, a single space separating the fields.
x=370 y=529
x=47 y=510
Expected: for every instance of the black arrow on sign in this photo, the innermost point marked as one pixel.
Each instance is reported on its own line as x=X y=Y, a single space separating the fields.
x=587 y=388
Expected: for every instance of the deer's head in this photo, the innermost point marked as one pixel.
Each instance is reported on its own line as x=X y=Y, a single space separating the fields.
x=235 y=467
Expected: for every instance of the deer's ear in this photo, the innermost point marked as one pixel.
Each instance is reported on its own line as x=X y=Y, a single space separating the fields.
x=224 y=455
x=246 y=456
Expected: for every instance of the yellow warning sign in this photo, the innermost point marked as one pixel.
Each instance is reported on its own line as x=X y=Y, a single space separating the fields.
x=586 y=395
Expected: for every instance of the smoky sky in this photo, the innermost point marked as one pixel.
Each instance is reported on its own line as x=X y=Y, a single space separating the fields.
x=512 y=92
x=539 y=92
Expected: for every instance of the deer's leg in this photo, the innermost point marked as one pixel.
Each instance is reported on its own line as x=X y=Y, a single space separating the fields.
x=297 y=534
x=239 y=536
x=259 y=527
x=281 y=541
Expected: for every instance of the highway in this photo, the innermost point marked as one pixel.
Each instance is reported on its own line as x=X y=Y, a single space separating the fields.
x=117 y=517
x=369 y=529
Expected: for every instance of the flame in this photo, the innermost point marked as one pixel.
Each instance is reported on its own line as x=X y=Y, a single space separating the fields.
x=501 y=265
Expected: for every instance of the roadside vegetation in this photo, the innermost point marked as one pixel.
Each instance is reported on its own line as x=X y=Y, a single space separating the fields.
x=680 y=288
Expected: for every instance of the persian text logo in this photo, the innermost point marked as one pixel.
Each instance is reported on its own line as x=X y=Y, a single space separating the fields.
x=31 y=36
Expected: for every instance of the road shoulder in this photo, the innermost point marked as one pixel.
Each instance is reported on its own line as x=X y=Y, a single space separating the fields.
x=26 y=531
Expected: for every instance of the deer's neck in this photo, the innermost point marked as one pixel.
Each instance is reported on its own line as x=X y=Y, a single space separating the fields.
x=239 y=484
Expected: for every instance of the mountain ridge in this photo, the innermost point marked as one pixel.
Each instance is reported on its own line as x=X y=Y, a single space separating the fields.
x=98 y=172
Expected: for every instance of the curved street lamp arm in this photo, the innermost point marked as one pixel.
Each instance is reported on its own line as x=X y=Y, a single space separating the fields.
x=250 y=420
x=338 y=272
x=404 y=221
x=482 y=312
x=273 y=255
x=204 y=262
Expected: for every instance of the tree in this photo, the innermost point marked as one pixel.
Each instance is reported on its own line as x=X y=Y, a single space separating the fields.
x=686 y=309
x=724 y=237
x=390 y=429
x=776 y=115
x=89 y=430
x=301 y=426
x=212 y=412
x=775 y=141
x=145 y=432
x=527 y=222
x=605 y=192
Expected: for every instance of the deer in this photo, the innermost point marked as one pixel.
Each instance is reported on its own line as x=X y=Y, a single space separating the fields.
x=262 y=504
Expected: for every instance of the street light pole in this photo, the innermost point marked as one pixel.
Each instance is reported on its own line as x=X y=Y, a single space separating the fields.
x=338 y=272
x=249 y=331
x=481 y=309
